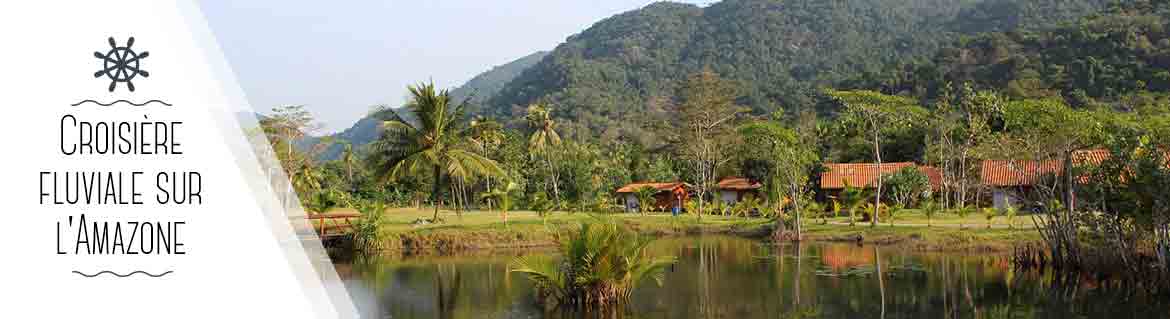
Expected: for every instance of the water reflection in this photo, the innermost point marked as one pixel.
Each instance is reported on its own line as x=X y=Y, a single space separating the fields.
x=726 y=277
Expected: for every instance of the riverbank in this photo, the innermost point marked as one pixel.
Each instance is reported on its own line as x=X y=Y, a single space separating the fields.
x=405 y=230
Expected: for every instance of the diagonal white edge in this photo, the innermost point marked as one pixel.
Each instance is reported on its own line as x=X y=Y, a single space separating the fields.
x=270 y=187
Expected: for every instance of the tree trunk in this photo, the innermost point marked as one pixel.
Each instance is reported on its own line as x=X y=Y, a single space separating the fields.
x=1069 y=193
x=795 y=210
x=877 y=198
x=435 y=195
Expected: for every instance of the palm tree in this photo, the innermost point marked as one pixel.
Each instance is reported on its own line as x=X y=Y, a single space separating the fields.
x=349 y=161
x=645 y=196
x=599 y=265
x=930 y=208
x=504 y=197
x=436 y=139
x=543 y=140
x=486 y=135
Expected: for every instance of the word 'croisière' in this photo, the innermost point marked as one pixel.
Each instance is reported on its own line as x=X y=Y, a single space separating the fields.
x=147 y=137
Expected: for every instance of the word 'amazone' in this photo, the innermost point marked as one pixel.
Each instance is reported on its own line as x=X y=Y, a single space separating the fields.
x=119 y=237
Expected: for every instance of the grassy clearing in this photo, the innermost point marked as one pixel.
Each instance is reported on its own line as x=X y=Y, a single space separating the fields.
x=915 y=217
x=476 y=230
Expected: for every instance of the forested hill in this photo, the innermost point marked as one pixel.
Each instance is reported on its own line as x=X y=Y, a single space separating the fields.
x=1120 y=55
x=478 y=88
x=777 y=50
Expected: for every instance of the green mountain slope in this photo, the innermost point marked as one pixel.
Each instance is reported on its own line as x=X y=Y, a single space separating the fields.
x=1107 y=56
x=777 y=50
x=478 y=88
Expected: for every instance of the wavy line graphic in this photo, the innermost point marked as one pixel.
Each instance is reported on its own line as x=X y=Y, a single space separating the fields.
x=121 y=275
x=121 y=101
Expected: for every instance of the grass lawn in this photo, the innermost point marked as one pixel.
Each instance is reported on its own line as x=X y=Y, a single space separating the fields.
x=915 y=217
x=478 y=229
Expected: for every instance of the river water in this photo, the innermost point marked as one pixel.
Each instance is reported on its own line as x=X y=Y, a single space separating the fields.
x=729 y=277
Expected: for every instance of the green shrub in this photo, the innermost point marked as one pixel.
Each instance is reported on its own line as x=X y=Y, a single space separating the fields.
x=600 y=265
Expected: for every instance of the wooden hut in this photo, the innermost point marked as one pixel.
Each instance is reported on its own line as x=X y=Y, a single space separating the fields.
x=734 y=189
x=669 y=195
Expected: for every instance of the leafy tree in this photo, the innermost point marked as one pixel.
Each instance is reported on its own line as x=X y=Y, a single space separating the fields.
x=437 y=140
x=792 y=160
x=707 y=110
x=907 y=185
x=874 y=114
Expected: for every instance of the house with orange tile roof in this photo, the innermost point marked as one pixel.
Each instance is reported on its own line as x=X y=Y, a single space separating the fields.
x=865 y=175
x=733 y=189
x=669 y=196
x=1010 y=181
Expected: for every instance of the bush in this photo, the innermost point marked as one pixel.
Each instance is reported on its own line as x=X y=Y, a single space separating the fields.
x=601 y=265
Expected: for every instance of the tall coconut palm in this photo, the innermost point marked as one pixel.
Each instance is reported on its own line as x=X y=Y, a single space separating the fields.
x=544 y=140
x=349 y=160
x=435 y=139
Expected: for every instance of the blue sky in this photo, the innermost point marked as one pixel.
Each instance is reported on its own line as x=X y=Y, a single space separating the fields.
x=341 y=57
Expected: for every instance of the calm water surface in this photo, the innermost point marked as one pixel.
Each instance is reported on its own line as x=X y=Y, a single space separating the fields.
x=726 y=277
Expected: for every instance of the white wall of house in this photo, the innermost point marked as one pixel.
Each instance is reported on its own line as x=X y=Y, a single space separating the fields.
x=1003 y=198
x=729 y=197
x=631 y=202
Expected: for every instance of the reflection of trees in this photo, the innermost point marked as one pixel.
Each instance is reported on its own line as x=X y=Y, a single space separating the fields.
x=715 y=280
x=447 y=283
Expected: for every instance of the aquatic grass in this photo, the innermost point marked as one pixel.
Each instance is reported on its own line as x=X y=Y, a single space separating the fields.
x=600 y=265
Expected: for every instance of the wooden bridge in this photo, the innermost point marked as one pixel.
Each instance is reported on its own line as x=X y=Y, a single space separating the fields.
x=333 y=224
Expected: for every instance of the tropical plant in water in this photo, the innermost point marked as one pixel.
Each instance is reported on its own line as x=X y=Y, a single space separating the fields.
x=437 y=141
x=599 y=265
x=645 y=195
x=367 y=229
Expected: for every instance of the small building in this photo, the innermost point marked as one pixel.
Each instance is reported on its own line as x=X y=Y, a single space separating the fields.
x=734 y=189
x=669 y=195
x=1011 y=181
x=865 y=175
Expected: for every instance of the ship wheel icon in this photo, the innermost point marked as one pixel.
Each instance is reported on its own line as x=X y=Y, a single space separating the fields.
x=121 y=64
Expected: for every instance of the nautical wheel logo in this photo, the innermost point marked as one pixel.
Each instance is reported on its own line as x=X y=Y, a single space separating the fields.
x=121 y=64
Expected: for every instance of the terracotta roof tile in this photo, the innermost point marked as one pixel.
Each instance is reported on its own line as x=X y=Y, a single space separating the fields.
x=737 y=183
x=856 y=174
x=662 y=187
x=1026 y=172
